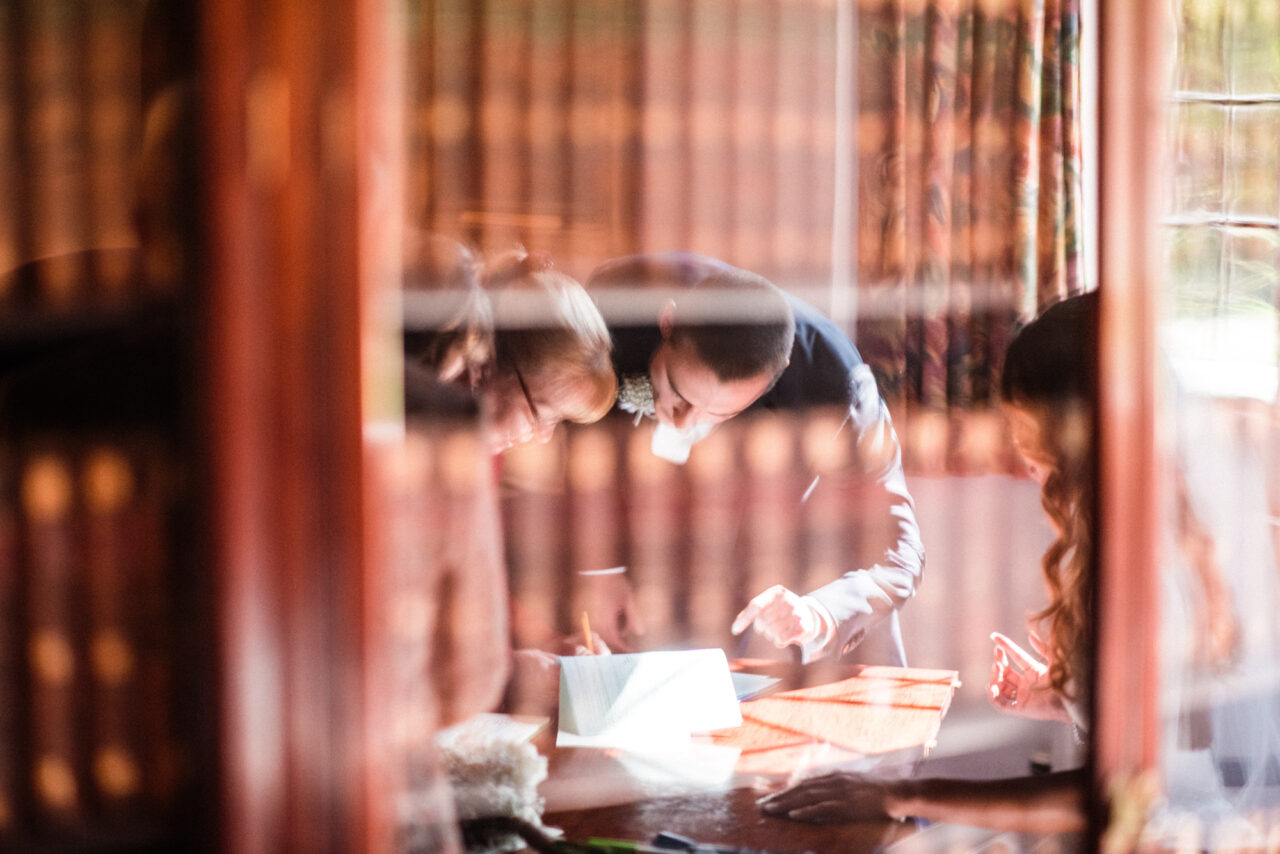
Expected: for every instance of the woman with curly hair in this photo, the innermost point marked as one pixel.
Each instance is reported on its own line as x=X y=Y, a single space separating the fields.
x=1047 y=388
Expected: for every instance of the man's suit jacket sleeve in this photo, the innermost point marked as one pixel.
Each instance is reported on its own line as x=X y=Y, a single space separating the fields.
x=888 y=560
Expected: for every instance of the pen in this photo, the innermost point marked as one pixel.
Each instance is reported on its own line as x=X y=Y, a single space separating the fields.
x=619 y=846
x=586 y=633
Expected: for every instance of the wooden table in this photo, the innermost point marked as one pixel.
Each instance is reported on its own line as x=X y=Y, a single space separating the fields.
x=880 y=720
x=728 y=817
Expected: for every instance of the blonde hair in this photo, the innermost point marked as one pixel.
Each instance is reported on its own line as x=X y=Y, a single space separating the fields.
x=548 y=328
x=455 y=340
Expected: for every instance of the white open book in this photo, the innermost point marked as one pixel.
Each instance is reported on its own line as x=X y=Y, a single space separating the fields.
x=644 y=700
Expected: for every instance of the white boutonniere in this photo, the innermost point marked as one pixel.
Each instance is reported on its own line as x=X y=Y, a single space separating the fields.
x=635 y=394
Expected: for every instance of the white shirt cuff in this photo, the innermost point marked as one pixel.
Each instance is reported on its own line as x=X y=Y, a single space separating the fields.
x=817 y=648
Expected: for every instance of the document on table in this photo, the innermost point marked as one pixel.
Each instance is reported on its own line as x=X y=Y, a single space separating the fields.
x=644 y=700
x=748 y=686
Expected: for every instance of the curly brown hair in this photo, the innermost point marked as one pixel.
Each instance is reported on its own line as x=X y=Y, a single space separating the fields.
x=1050 y=373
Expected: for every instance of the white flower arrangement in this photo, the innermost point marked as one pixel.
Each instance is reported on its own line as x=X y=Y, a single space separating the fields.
x=635 y=394
x=493 y=771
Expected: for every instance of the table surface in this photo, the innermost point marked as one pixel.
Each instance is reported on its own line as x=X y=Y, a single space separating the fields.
x=880 y=720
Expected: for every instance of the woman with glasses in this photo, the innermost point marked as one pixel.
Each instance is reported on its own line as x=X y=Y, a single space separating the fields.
x=523 y=337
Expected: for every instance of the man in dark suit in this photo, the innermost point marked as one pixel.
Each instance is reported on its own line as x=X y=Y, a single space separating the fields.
x=702 y=342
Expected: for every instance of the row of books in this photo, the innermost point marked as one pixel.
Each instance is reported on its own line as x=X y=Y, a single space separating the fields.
x=86 y=701
x=71 y=149
x=592 y=128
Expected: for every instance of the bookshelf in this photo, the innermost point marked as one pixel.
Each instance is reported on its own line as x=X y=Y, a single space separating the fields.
x=186 y=551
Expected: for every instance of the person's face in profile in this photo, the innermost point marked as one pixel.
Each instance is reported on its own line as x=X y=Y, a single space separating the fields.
x=522 y=410
x=687 y=393
x=1028 y=437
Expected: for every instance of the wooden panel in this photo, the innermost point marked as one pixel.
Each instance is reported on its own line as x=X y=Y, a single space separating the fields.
x=291 y=251
x=1131 y=76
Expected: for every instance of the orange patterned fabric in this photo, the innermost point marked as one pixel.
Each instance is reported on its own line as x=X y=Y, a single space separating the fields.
x=878 y=711
x=969 y=197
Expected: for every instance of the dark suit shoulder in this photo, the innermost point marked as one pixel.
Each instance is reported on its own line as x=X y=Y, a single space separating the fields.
x=823 y=359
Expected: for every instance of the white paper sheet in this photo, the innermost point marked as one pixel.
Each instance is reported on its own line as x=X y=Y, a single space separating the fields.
x=644 y=700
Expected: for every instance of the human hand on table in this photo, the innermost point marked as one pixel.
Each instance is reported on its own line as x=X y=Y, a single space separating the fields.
x=832 y=798
x=782 y=616
x=535 y=682
x=578 y=645
x=535 y=674
x=1020 y=682
x=606 y=596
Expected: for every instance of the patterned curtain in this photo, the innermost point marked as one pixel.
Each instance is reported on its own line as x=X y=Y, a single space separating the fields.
x=969 y=197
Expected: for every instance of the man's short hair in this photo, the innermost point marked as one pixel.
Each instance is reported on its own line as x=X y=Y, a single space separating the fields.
x=739 y=324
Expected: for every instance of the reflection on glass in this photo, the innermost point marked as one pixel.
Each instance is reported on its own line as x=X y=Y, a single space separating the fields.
x=884 y=179
x=1197 y=131
x=1220 y=697
x=1252 y=153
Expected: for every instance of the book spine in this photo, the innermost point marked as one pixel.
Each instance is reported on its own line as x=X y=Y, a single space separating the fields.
x=126 y=550
x=601 y=120
x=547 y=180
x=712 y=529
x=54 y=608
x=533 y=509
x=503 y=98
x=820 y=105
x=793 y=196
x=666 y=175
x=449 y=123
x=420 y=118
x=711 y=115
x=58 y=145
x=115 y=119
x=151 y=533
x=12 y=676
x=594 y=504
x=628 y=100
x=12 y=173
x=658 y=547
x=755 y=94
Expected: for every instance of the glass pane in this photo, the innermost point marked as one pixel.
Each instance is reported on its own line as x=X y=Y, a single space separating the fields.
x=1218 y=426
x=1253 y=161
x=1198 y=132
x=704 y=135
x=1199 y=46
x=1220 y=323
x=1253 y=55
x=1194 y=270
x=1252 y=255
